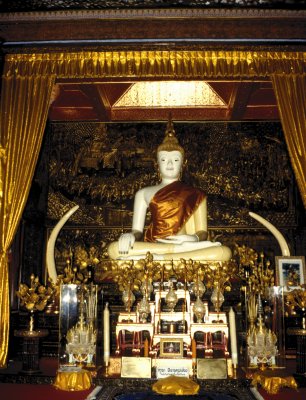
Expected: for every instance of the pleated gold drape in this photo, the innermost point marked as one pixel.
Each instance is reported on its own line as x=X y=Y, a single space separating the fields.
x=172 y=64
x=290 y=92
x=24 y=108
x=27 y=82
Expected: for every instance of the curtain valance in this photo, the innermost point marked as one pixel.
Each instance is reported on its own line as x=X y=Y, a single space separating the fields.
x=172 y=64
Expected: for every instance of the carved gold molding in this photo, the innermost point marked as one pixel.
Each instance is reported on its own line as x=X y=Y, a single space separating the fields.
x=154 y=63
x=161 y=13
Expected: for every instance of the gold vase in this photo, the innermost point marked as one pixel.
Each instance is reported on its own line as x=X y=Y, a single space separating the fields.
x=199 y=309
x=128 y=299
x=144 y=310
x=171 y=298
x=217 y=298
x=198 y=288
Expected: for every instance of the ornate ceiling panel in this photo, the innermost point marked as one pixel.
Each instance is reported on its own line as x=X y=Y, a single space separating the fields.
x=97 y=102
x=48 y=5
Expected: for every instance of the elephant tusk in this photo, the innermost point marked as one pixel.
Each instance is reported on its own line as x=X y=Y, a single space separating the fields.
x=50 y=261
x=275 y=232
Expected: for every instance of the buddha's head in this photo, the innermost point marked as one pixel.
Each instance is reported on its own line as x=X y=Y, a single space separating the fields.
x=170 y=155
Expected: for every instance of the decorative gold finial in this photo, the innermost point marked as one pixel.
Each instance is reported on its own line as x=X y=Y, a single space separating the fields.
x=170 y=128
x=170 y=142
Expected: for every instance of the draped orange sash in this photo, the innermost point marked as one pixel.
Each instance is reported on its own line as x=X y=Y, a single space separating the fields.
x=170 y=208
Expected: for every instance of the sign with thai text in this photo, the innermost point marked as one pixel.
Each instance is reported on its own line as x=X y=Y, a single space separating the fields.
x=175 y=367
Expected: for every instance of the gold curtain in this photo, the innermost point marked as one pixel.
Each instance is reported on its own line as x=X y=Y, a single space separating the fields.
x=290 y=92
x=23 y=113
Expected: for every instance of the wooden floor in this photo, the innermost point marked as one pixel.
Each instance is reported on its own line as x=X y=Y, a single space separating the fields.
x=22 y=391
x=48 y=367
x=15 y=386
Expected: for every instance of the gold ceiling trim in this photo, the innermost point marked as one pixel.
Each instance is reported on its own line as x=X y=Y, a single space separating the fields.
x=180 y=64
x=162 y=13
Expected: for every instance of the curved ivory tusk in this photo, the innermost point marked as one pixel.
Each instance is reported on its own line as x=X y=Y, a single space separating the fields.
x=275 y=232
x=51 y=244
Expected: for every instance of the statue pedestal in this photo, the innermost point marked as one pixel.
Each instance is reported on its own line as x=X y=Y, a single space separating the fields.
x=30 y=350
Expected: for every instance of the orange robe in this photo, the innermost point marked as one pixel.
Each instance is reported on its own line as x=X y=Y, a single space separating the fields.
x=170 y=208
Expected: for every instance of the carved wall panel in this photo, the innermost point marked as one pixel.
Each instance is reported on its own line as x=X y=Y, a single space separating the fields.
x=241 y=167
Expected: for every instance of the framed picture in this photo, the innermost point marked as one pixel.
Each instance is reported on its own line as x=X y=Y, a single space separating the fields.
x=290 y=271
x=171 y=347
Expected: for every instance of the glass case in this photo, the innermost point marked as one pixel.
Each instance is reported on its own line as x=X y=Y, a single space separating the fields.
x=265 y=334
x=78 y=325
x=275 y=321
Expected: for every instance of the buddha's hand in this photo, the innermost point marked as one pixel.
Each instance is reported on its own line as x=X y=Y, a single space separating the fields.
x=126 y=242
x=179 y=239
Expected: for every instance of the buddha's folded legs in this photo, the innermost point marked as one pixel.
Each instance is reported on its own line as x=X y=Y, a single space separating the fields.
x=210 y=251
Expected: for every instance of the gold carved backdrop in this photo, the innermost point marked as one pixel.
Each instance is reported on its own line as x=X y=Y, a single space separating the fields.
x=241 y=166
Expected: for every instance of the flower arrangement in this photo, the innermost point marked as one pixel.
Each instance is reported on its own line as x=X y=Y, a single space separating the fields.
x=36 y=296
x=256 y=271
x=296 y=300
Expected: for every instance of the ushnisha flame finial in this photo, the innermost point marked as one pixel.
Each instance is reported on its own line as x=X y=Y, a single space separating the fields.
x=170 y=142
x=170 y=128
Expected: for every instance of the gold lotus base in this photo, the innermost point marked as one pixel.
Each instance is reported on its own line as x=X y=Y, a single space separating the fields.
x=73 y=380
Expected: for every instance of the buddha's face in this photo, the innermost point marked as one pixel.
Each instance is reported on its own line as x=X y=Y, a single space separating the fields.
x=170 y=164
